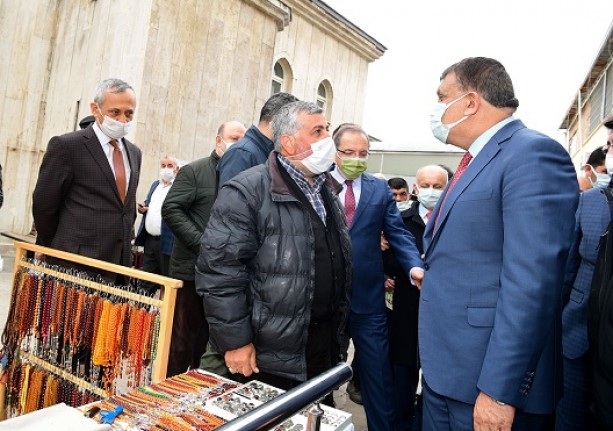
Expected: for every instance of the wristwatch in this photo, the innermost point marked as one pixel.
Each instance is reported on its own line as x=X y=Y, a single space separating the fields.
x=500 y=403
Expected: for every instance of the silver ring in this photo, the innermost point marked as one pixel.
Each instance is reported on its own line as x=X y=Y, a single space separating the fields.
x=231 y=370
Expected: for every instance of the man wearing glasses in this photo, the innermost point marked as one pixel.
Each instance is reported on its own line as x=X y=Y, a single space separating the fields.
x=371 y=209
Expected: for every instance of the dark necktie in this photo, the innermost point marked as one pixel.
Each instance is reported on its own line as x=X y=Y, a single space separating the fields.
x=458 y=173
x=120 y=170
x=349 y=202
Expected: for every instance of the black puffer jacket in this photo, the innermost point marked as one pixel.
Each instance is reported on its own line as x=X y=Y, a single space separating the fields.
x=256 y=269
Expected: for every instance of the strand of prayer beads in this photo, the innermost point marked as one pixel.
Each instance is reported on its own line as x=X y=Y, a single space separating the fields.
x=100 y=354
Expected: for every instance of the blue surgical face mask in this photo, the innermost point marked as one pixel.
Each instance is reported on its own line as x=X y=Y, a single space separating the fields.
x=440 y=130
x=429 y=197
x=602 y=180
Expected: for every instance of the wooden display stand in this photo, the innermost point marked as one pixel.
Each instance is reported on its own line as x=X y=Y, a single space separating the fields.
x=165 y=305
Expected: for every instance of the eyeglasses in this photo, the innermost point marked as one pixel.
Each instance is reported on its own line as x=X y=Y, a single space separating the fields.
x=355 y=154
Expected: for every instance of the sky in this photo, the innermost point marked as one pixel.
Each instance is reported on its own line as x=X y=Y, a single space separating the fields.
x=547 y=46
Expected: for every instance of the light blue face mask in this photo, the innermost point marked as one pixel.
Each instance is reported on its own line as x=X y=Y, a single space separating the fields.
x=440 y=130
x=602 y=180
x=429 y=197
x=404 y=205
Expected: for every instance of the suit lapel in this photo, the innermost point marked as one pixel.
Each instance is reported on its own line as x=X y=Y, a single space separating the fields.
x=94 y=147
x=476 y=166
x=365 y=195
x=413 y=214
x=134 y=169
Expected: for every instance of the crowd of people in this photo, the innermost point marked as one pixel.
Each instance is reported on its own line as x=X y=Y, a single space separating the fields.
x=288 y=248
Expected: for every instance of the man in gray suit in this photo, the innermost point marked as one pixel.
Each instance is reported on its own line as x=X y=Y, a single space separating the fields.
x=85 y=197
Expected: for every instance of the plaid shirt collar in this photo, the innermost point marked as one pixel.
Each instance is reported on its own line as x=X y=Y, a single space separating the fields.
x=313 y=193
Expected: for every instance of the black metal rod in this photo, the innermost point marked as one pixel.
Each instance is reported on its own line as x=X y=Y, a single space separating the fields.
x=291 y=402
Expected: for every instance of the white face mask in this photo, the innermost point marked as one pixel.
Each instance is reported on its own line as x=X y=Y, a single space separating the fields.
x=114 y=129
x=404 y=205
x=429 y=197
x=440 y=130
x=608 y=162
x=228 y=144
x=167 y=174
x=324 y=152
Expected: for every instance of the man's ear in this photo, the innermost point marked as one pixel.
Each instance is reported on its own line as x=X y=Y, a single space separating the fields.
x=94 y=109
x=288 y=144
x=474 y=101
x=217 y=142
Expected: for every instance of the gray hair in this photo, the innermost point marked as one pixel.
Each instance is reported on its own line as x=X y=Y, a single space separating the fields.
x=285 y=122
x=343 y=128
x=431 y=168
x=172 y=158
x=113 y=85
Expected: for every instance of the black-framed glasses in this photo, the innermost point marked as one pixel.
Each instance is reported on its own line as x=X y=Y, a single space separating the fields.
x=354 y=154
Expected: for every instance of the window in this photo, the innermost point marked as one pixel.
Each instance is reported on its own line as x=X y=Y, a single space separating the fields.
x=281 y=77
x=324 y=97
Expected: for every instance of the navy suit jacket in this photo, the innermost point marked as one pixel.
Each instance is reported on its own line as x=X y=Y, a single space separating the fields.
x=167 y=239
x=490 y=305
x=592 y=220
x=377 y=212
x=252 y=150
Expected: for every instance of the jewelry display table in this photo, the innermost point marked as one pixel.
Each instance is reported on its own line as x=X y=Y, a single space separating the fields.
x=198 y=400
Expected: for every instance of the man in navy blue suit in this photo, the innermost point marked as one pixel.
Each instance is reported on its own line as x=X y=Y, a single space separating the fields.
x=371 y=209
x=495 y=252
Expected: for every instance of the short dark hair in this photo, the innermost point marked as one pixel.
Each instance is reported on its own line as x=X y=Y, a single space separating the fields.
x=397 y=183
x=86 y=121
x=273 y=104
x=486 y=76
x=597 y=157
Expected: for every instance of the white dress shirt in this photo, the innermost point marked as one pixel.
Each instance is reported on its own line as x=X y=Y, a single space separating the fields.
x=153 y=221
x=356 y=185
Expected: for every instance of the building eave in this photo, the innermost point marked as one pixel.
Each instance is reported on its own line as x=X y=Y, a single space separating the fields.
x=598 y=65
x=328 y=20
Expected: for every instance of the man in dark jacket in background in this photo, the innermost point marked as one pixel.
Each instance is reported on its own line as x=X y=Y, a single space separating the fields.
x=275 y=259
x=254 y=148
x=186 y=211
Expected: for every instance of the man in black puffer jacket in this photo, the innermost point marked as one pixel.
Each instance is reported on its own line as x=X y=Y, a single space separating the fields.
x=275 y=259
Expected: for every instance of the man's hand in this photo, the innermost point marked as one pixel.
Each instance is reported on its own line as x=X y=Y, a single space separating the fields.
x=417 y=275
x=389 y=284
x=242 y=360
x=385 y=245
x=491 y=416
x=142 y=209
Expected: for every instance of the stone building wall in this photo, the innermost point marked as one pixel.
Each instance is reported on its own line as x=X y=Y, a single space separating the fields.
x=193 y=64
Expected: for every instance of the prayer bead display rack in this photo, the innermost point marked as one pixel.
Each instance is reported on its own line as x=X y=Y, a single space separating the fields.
x=51 y=290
